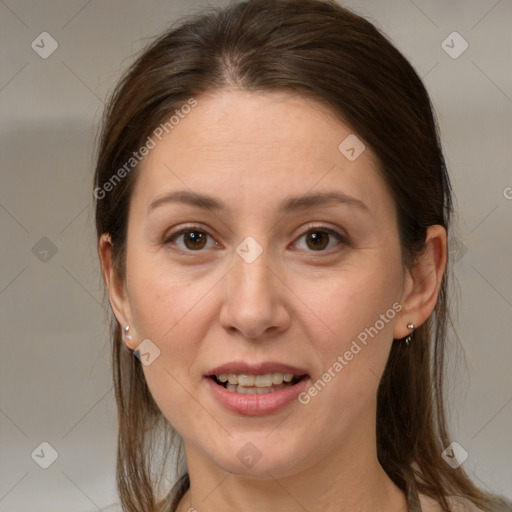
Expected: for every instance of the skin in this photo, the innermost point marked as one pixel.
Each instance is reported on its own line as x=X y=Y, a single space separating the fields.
x=295 y=303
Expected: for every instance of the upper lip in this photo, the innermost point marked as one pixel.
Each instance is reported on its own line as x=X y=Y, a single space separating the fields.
x=239 y=367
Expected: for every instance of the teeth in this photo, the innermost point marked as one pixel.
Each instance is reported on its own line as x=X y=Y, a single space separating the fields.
x=257 y=381
x=254 y=390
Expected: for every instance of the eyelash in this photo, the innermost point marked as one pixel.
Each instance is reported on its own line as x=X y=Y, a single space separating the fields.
x=312 y=229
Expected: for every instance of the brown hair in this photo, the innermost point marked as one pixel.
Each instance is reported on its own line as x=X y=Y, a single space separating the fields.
x=324 y=52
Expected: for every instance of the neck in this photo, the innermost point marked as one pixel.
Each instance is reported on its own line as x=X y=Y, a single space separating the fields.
x=348 y=478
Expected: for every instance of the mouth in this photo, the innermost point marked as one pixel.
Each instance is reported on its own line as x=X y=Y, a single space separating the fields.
x=256 y=389
x=249 y=384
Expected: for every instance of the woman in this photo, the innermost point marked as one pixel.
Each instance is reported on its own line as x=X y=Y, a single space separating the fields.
x=287 y=340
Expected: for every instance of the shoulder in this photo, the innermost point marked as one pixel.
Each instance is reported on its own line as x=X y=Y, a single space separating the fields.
x=496 y=503
x=429 y=504
x=457 y=504
x=462 y=505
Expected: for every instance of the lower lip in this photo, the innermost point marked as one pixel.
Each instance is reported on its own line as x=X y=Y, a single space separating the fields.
x=256 y=405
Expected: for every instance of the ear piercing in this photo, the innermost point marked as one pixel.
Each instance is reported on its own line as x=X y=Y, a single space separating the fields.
x=409 y=338
x=125 y=334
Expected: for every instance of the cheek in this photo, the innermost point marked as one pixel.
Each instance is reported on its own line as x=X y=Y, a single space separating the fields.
x=164 y=306
x=332 y=311
x=353 y=299
x=161 y=296
x=170 y=312
x=358 y=310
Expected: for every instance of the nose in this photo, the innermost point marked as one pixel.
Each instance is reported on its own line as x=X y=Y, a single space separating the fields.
x=255 y=299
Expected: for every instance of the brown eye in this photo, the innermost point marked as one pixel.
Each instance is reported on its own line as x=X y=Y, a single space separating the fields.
x=319 y=238
x=194 y=239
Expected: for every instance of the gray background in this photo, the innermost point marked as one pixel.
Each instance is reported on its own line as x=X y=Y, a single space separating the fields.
x=55 y=375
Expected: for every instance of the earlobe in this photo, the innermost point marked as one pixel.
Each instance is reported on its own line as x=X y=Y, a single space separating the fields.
x=423 y=282
x=115 y=284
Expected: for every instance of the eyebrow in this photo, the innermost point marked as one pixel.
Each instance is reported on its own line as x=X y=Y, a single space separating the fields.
x=289 y=205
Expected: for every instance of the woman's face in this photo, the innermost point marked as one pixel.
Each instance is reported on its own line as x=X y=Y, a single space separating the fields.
x=307 y=288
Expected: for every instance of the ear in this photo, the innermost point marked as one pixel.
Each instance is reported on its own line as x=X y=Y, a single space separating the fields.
x=422 y=283
x=115 y=286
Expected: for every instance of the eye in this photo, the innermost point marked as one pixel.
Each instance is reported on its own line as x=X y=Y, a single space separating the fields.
x=194 y=239
x=319 y=237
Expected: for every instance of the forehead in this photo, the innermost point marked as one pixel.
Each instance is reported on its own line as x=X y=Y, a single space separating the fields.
x=255 y=148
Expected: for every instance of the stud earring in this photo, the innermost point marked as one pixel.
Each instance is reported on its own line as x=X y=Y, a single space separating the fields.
x=126 y=331
x=127 y=336
x=409 y=338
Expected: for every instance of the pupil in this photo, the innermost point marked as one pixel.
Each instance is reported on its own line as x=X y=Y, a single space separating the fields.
x=195 y=237
x=317 y=237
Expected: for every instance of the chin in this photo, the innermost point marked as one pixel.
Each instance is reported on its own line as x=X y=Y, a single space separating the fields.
x=257 y=456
